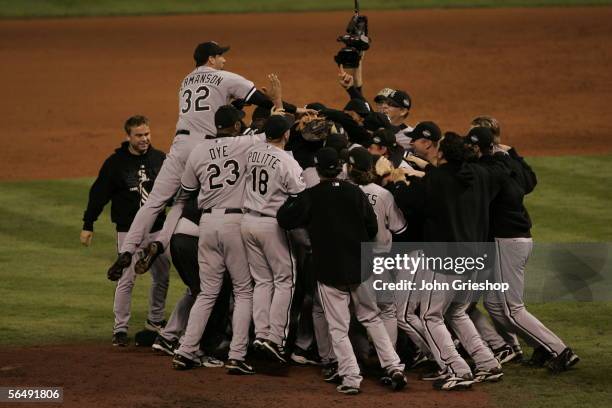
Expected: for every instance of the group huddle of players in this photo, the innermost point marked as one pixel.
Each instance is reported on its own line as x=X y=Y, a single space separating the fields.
x=267 y=221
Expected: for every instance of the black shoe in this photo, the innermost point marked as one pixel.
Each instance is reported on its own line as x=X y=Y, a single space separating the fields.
x=116 y=270
x=151 y=252
x=347 y=389
x=398 y=379
x=155 y=326
x=258 y=344
x=164 y=346
x=563 y=361
x=120 y=339
x=454 y=383
x=238 y=367
x=330 y=373
x=435 y=376
x=493 y=375
x=274 y=351
x=180 y=362
x=304 y=357
x=539 y=358
x=419 y=358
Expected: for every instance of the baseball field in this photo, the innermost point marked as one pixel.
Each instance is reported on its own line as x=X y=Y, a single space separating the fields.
x=69 y=83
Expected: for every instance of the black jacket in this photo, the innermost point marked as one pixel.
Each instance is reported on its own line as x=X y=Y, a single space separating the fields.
x=338 y=218
x=126 y=180
x=452 y=200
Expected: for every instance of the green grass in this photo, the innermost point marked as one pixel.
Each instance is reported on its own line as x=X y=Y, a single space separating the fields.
x=64 y=8
x=53 y=290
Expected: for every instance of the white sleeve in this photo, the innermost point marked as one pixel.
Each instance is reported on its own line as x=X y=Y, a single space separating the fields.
x=240 y=87
x=294 y=183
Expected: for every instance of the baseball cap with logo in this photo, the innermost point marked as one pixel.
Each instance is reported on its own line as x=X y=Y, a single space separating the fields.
x=208 y=49
x=383 y=94
x=384 y=138
x=425 y=130
x=227 y=116
x=399 y=99
x=358 y=105
x=480 y=136
x=276 y=126
x=327 y=158
x=360 y=158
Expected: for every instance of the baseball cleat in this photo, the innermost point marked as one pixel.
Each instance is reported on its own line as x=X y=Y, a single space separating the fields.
x=304 y=357
x=258 y=344
x=398 y=380
x=435 y=376
x=238 y=367
x=454 y=383
x=211 y=362
x=116 y=270
x=385 y=380
x=505 y=354
x=493 y=375
x=151 y=252
x=155 y=326
x=274 y=351
x=180 y=362
x=330 y=373
x=165 y=346
x=347 y=389
x=120 y=339
x=539 y=358
x=563 y=361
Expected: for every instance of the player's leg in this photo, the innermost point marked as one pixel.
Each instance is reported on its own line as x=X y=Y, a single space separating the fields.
x=123 y=294
x=211 y=268
x=407 y=303
x=321 y=331
x=485 y=328
x=280 y=256
x=368 y=314
x=236 y=260
x=433 y=305
x=160 y=280
x=167 y=183
x=262 y=277
x=512 y=256
x=335 y=303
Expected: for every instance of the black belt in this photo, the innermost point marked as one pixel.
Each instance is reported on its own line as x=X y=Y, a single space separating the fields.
x=227 y=210
x=182 y=132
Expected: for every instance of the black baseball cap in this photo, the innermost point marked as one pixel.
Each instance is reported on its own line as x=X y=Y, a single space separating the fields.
x=383 y=94
x=399 y=99
x=361 y=159
x=480 y=136
x=227 y=116
x=337 y=141
x=260 y=113
x=425 y=130
x=276 y=126
x=358 y=105
x=327 y=158
x=208 y=49
x=384 y=138
x=375 y=121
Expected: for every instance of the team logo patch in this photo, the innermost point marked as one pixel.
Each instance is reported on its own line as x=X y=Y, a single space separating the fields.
x=427 y=133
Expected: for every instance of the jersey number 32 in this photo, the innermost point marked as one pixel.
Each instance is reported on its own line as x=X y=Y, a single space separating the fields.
x=198 y=103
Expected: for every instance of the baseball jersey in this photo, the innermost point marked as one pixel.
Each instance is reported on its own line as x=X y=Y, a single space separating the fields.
x=203 y=91
x=271 y=176
x=389 y=217
x=401 y=137
x=217 y=168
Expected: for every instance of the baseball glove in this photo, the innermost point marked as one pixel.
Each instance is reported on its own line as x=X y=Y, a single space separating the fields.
x=316 y=129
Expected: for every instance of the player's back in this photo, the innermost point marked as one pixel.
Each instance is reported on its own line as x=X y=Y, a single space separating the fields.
x=218 y=166
x=388 y=215
x=202 y=92
x=271 y=176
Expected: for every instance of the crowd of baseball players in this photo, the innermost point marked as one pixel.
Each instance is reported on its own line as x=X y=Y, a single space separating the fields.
x=263 y=219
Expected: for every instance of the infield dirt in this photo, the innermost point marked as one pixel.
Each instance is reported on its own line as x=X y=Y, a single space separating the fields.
x=68 y=85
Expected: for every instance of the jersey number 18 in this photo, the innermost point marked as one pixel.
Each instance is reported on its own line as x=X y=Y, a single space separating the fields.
x=260 y=185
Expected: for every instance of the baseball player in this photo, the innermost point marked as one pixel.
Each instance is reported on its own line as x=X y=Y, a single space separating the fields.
x=397 y=108
x=338 y=217
x=126 y=179
x=201 y=93
x=271 y=176
x=510 y=225
x=215 y=169
x=454 y=200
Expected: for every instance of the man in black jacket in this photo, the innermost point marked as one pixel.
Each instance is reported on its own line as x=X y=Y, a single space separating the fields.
x=126 y=179
x=338 y=218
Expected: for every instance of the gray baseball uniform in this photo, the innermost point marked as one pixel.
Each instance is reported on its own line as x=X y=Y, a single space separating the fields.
x=216 y=169
x=202 y=92
x=271 y=176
